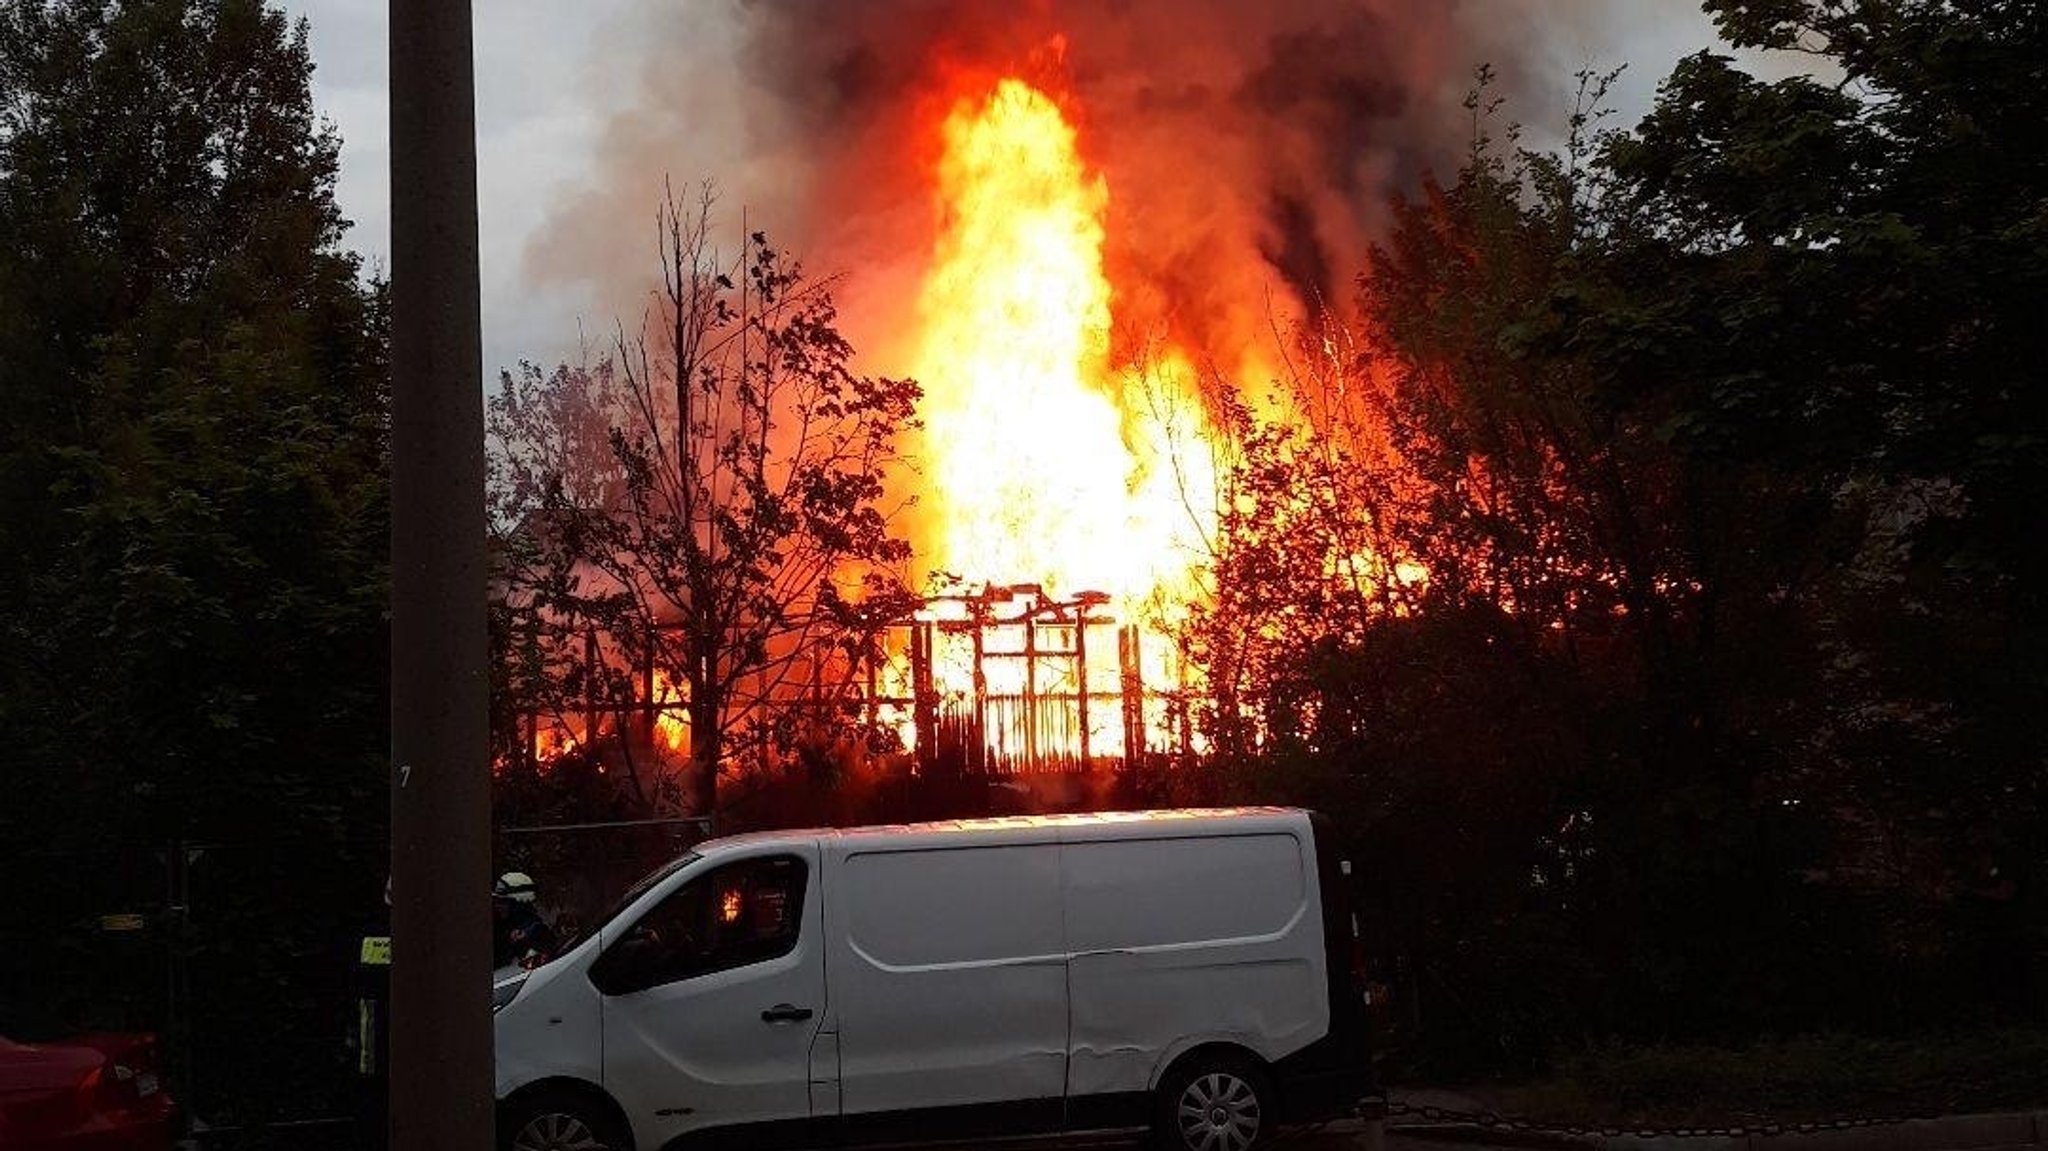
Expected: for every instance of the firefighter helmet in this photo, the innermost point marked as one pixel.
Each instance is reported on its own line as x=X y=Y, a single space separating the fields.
x=516 y=886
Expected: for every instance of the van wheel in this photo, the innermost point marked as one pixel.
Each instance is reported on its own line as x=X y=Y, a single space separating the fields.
x=559 y=1121
x=1214 y=1103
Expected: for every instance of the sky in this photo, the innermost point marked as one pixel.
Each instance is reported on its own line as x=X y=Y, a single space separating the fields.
x=546 y=89
x=541 y=106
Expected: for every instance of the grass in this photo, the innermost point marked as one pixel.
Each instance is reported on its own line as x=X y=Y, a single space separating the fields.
x=1808 y=1079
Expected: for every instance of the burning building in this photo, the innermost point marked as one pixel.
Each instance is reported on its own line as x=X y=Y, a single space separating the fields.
x=1085 y=229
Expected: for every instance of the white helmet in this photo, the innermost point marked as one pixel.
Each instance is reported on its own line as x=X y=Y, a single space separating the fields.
x=516 y=886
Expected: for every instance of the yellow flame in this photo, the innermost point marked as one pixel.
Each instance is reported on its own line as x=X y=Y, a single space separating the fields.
x=1046 y=462
x=671 y=723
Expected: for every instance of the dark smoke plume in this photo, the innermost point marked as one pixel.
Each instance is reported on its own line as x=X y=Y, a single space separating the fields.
x=1249 y=146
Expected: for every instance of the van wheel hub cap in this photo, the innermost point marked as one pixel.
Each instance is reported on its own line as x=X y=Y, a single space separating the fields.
x=556 y=1132
x=1218 y=1112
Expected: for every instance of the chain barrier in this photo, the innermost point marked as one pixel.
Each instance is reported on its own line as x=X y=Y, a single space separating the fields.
x=1395 y=1109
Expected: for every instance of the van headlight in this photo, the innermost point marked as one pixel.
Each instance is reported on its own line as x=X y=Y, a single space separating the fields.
x=506 y=990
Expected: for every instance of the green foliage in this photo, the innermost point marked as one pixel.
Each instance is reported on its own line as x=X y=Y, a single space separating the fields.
x=192 y=493
x=193 y=536
x=1671 y=639
x=1817 y=1078
x=706 y=506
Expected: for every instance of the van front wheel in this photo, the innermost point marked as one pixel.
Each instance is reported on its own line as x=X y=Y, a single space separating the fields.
x=1215 y=1103
x=559 y=1121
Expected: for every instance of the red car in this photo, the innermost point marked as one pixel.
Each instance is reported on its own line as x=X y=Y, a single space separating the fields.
x=88 y=1093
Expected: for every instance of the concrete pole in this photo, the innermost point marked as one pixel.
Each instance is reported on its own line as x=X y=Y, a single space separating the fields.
x=440 y=1070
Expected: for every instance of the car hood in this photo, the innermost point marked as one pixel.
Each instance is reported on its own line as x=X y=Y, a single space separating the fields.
x=30 y=1068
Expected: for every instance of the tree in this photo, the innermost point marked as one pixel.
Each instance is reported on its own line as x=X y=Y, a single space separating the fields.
x=193 y=460
x=1861 y=262
x=192 y=492
x=710 y=499
x=1474 y=604
x=1706 y=445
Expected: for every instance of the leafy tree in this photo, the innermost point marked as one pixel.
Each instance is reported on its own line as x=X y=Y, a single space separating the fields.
x=1711 y=449
x=194 y=375
x=192 y=493
x=1483 y=626
x=1860 y=263
x=709 y=501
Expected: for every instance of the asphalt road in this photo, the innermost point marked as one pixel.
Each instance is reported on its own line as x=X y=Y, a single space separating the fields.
x=1303 y=1141
x=337 y=1139
x=1326 y=1141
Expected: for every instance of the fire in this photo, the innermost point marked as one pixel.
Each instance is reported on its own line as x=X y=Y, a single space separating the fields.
x=552 y=740
x=1048 y=463
x=671 y=723
x=1073 y=487
x=552 y=736
x=1070 y=481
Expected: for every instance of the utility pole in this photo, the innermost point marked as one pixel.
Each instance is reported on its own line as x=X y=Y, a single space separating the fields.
x=440 y=1069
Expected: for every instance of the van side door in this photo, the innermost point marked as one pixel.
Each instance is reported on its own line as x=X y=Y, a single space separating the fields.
x=949 y=982
x=1183 y=941
x=712 y=1001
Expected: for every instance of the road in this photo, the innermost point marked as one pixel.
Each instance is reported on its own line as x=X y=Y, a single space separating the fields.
x=1331 y=1141
x=335 y=1138
x=1320 y=1141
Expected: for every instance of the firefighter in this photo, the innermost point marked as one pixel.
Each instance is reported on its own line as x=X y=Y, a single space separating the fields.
x=519 y=935
x=369 y=1022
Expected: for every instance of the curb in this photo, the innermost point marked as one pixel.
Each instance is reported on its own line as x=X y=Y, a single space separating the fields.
x=1469 y=1133
x=1496 y=1136
x=2004 y=1131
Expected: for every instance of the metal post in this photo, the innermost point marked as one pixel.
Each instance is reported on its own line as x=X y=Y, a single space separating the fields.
x=978 y=752
x=441 y=1077
x=1030 y=693
x=871 y=650
x=176 y=926
x=590 y=691
x=1130 y=656
x=651 y=723
x=1081 y=677
x=925 y=698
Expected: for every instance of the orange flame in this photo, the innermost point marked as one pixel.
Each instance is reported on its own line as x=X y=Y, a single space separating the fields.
x=1047 y=462
x=671 y=723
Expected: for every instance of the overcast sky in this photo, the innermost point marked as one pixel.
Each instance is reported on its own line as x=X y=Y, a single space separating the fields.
x=545 y=92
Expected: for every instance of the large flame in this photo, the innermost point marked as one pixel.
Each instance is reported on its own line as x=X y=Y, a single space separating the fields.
x=1046 y=462
x=1069 y=477
x=1050 y=466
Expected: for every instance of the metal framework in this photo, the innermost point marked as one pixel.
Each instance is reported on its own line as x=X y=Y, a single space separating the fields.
x=1010 y=680
x=1005 y=680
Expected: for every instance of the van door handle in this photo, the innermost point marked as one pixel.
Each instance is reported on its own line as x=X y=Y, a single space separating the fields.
x=785 y=1013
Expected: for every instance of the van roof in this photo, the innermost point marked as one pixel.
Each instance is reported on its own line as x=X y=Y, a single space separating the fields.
x=1078 y=826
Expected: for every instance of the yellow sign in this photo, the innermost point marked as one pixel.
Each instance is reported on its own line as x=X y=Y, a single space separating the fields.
x=376 y=951
x=122 y=923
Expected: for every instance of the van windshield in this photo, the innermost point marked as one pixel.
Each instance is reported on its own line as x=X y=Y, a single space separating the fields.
x=642 y=887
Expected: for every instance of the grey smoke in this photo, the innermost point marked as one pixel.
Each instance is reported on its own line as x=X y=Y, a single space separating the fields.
x=1250 y=146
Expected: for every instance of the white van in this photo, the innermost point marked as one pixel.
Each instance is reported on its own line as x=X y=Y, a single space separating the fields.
x=1086 y=976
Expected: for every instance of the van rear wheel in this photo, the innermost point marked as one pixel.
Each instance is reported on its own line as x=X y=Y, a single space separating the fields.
x=1214 y=1103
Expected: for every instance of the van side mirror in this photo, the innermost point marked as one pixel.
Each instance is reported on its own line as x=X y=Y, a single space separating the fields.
x=632 y=964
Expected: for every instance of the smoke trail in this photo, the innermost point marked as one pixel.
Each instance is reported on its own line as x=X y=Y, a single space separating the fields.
x=1249 y=149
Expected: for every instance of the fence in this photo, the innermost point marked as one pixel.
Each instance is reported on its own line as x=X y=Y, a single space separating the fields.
x=1005 y=681
x=242 y=957
x=234 y=955
x=582 y=869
